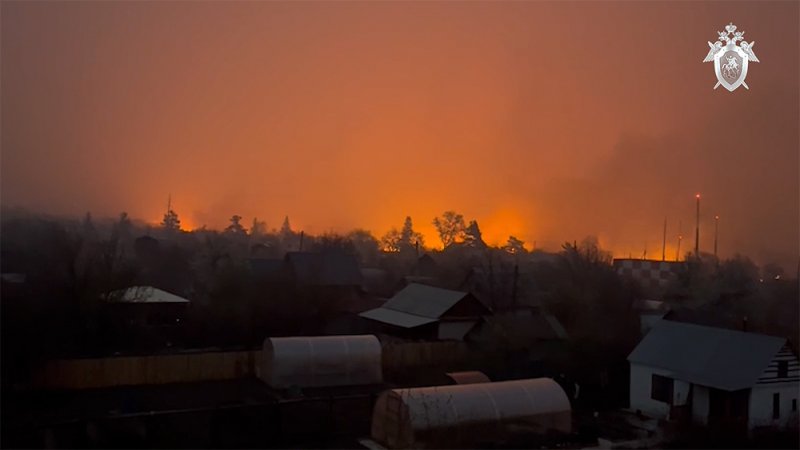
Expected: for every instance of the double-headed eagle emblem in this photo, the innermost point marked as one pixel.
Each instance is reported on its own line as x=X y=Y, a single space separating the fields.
x=731 y=60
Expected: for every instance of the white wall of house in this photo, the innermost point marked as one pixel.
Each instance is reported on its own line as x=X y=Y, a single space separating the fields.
x=640 y=390
x=700 y=404
x=680 y=392
x=760 y=408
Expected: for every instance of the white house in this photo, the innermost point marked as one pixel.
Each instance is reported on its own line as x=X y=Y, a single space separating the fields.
x=714 y=375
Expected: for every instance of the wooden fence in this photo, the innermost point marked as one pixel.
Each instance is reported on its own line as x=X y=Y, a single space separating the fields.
x=411 y=355
x=210 y=366
x=142 y=370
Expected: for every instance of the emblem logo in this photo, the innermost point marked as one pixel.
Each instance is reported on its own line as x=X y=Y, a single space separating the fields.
x=731 y=60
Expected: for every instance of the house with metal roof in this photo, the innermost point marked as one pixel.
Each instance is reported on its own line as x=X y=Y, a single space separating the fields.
x=519 y=329
x=428 y=312
x=144 y=317
x=714 y=376
x=144 y=294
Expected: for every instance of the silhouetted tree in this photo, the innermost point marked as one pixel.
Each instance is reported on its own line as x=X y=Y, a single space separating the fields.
x=409 y=238
x=259 y=228
x=515 y=246
x=287 y=235
x=236 y=227
x=390 y=242
x=286 y=228
x=738 y=275
x=366 y=246
x=171 y=221
x=450 y=227
x=588 y=251
x=473 y=236
x=332 y=242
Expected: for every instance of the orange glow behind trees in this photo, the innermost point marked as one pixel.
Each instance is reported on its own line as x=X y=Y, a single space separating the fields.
x=347 y=115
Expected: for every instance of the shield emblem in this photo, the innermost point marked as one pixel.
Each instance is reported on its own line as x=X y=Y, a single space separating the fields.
x=730 y=64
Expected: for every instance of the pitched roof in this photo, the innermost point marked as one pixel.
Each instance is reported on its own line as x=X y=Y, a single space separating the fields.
x=423 y=300
x=145 y=294
x=397 y=318
x=325 y=269
x=524 y=327
x=415 y=305
x=714 y=357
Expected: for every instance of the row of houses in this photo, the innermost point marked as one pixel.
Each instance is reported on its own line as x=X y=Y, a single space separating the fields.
x=679 y=372
x=358 y=299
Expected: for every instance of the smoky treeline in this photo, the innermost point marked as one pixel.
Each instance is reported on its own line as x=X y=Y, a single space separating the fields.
x=71 y=266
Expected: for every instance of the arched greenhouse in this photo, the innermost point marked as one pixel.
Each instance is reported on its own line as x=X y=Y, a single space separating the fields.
x=321 y=361
x=469 y=414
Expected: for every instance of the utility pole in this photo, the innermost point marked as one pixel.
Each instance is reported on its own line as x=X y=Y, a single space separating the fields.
x=664 y=242
x=680 y=238
x=716 y=232
x=697 y=230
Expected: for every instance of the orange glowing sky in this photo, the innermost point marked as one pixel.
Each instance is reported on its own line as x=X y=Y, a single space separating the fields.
x=549 y=121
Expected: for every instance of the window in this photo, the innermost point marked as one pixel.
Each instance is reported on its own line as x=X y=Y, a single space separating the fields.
x=661 y=389
x=783 y=369
x=776 y=405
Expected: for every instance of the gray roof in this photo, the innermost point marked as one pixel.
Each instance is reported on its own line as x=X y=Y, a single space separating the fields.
x=713 y=357
x=325 y=269
x=145 y=294
x=423 y=300
x=398 y=318
x=415 y=305
x=524 y=327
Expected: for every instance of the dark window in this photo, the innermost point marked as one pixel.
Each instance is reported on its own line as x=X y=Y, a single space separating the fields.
x=794 y=404
x=776 y=405
x=783 y=369
x=661 y=389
